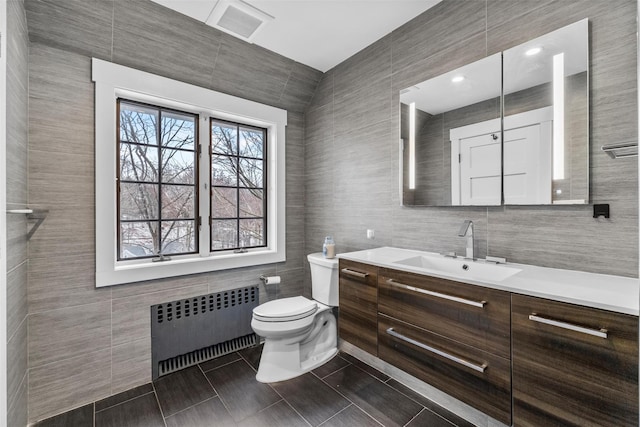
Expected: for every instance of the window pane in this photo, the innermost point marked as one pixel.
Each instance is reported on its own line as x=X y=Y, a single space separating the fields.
x=178 y=237
x=224 y=202
x=138 y=163
x=178 y=201
x=251 y=232
x=138 y=124
x=137 y=239
x=223 y=171
x=178 y=130
x=251 y=173
x=251 y=203
x=178 y=166
x=224 y=234
x=138 y=201
x=251 y=143
x=224 y=138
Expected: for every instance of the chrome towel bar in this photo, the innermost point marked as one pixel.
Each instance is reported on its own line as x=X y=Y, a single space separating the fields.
x=623 y=149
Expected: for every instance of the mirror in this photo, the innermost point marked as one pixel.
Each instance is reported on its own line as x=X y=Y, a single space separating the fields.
x=463 y=104
x=451 y=133
x=546 y=119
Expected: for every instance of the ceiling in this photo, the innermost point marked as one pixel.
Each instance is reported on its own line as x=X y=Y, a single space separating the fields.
x=318 y=33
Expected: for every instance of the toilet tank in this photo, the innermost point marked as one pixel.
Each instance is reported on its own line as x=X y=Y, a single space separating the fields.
x=324 y=279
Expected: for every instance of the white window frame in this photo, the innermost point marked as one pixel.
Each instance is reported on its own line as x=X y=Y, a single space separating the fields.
x=114 y=81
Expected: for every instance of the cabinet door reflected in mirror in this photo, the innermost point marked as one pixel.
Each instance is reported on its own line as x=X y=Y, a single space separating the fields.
x=452 y=147
x=546 y=119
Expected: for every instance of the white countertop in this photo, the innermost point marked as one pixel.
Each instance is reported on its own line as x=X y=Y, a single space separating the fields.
x=607 y=292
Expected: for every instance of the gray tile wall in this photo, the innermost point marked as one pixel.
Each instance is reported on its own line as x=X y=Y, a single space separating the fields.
x=351 y=153
x=16 y=174
x=87 y=343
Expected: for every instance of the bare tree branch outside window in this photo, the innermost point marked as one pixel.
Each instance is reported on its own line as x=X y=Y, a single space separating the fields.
x=238 y=190
x=157 y=177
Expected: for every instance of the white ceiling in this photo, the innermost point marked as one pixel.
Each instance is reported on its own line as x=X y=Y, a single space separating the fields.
x=319 y=33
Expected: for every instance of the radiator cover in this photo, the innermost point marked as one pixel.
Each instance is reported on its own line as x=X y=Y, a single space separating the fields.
x=189 y=331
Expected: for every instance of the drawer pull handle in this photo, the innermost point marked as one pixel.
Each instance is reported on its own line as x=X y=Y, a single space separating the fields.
x=354 y=273
x=601 y=333
x=480 y=304
x=478 y=368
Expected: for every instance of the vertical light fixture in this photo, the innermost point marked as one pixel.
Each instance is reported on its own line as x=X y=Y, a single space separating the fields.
x=412 y=146
x=558 y=116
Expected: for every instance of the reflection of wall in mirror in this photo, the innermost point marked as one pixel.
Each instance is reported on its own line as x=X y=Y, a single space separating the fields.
x=433 y=153
x=575 y=185
x=433 y=150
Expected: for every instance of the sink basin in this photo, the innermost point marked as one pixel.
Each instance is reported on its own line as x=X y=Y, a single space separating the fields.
x=461 y=268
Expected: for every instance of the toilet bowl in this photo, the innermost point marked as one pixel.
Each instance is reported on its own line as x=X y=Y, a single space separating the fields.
x=299 y=334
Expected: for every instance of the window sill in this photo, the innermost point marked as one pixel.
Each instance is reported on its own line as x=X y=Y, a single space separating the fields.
x=128 y=272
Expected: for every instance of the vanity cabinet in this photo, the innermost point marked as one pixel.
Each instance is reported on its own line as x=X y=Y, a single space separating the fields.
x=452 y=335
x=358 y=320
x=573 y=365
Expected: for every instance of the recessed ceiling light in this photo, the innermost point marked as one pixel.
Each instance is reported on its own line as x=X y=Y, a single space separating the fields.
x=533 y=51
x=457 y=79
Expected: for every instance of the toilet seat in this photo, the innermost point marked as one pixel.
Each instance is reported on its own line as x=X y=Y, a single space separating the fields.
x=285 y=310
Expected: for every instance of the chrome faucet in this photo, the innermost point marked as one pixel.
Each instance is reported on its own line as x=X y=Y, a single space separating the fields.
x=467 y=230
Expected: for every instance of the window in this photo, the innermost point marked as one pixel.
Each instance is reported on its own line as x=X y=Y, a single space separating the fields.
x=169 y=154
x=237 y=186
x=157 y=181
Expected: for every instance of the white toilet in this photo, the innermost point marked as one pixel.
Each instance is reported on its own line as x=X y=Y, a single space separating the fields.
x=300 y=334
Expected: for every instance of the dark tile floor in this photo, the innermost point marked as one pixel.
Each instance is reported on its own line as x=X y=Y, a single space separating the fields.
x=344 y=392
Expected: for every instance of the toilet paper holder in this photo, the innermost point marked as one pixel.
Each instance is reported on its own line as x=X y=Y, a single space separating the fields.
x=270 y=280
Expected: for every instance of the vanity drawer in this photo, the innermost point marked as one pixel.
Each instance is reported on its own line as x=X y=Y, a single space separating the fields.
x=358 y=318
x=474 y=315
x=478 y=378
x=573 y=365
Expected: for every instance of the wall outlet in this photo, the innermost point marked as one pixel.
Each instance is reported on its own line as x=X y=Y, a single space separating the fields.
x=371 y=234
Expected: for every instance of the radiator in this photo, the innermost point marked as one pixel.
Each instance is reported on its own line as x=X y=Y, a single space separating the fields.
x=192 y=330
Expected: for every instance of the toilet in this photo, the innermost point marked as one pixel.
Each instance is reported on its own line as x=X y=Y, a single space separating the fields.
x=299 y=334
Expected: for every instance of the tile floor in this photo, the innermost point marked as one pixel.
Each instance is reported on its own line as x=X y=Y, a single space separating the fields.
x=224 y=392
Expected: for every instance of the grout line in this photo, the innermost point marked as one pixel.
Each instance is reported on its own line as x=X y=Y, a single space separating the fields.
x=194 y=405
x=164 y=420
x=336 y=414
x=26 y=326
x=294 y=410
x=113 y=28
x=25 y=261
x=415 y=416
x=284 y=88
x=216 y=391
x=486 y=27
x=124 y=401
x=221 y=366
x=207 y=378
x=244 y=359
x=349 y=400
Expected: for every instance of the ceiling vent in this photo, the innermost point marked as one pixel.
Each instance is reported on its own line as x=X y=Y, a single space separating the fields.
x=238 y=18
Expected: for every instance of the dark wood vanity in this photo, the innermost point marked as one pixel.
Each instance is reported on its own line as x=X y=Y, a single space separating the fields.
x=573 y=365
x=522 y=360
x=359 y=305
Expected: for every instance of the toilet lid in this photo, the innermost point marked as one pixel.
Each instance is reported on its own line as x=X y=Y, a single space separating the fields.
x=285 y=309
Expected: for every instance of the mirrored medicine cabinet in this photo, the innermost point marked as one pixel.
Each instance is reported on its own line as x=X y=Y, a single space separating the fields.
x=511 y=128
